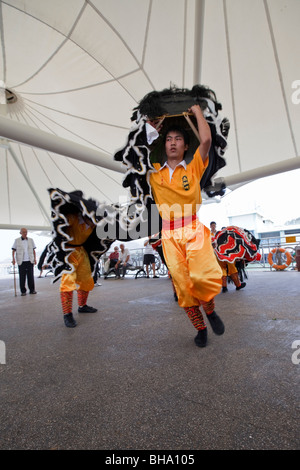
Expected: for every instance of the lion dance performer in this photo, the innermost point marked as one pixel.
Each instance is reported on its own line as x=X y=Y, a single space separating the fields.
x=75 y=249
x=175 y=188
x=235 y=247
x=228 y=269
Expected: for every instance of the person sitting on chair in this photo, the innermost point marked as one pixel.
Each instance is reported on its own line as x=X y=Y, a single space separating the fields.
x=123 y=262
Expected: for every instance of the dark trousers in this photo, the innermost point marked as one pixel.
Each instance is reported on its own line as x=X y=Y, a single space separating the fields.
x=97 y=272
x=112 y=263
x=121 y=269
x=26 y=270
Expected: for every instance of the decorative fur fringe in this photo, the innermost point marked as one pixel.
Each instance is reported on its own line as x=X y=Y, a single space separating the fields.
x=168 y=104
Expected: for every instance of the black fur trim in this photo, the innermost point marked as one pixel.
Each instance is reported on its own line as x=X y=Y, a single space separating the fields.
x=138 y=156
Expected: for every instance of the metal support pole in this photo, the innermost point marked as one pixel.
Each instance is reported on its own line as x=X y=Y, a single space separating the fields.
x=260 y=172
x=18 y=132
x=198 y=39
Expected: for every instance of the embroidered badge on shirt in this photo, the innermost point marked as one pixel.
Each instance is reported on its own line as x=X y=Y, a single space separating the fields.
x=185 y=183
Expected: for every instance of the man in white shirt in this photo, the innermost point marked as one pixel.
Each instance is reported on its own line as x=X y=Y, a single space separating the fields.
x=23 y=251
x=123 y=261
x=149 y=257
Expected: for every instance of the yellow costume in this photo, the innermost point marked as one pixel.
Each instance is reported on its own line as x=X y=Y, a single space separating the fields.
x=75 y=249
x=177 y=192
x=186 y=241
x=229 y=269
x=81 y=278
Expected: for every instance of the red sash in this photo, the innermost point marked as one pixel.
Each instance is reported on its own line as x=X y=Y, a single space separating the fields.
x=178 y=223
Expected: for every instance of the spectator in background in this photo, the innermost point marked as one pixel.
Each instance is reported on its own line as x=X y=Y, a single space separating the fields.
x=23 y=251
x=96 y=275
x=41 y=265
x=113 y=257
x=149 y=257
x=111 y=262
x=123 y=261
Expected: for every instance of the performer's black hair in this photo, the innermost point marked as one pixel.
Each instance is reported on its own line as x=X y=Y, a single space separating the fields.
x=180 y=130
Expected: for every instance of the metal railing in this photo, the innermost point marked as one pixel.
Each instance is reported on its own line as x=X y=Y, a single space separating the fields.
x=288 y=243
x=137 y=267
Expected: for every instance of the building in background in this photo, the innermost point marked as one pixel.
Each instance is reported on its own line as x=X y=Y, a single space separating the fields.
x=272 y=235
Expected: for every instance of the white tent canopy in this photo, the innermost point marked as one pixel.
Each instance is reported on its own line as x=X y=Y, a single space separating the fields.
x=73 y=70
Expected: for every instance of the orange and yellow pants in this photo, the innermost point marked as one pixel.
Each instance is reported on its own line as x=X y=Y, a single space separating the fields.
x=81 y=278
x=192 y=263
x=229 y=269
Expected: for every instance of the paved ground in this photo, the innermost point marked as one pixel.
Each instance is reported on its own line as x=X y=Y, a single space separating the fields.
x=130 y=376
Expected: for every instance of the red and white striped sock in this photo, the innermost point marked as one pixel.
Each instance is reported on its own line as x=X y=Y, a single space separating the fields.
x=66 y=302
x=82 y=297
x=208 y=307
x=196 y=317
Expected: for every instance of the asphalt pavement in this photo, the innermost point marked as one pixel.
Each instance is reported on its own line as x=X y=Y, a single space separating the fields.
x=130 y=376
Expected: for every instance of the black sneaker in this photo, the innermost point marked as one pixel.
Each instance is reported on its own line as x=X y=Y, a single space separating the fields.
x=224 y=289
x=243 y=284
x=216 y=323
x=86 y=309
x=69 y=320
x=201 y=338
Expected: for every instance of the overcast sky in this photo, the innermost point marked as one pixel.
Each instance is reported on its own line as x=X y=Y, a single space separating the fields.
x=275 y=197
